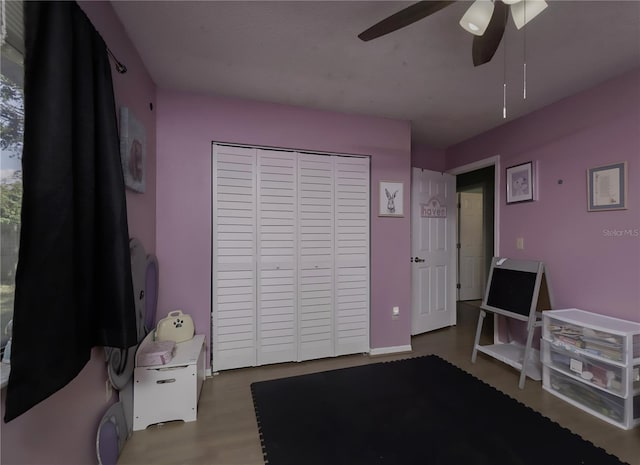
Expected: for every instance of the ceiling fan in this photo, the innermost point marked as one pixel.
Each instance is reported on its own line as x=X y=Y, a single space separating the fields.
x=485 y=19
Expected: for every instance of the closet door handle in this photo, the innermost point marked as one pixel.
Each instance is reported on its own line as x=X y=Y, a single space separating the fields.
x=419 y=260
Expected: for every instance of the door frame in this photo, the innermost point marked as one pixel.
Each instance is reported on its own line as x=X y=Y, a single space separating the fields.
x=495 y=161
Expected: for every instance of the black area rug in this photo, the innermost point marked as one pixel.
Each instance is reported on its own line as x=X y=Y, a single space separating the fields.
x=416 y=411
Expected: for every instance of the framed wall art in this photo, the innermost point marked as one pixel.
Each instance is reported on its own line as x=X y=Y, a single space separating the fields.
x=390 y=202
x=133 y=150
x=607 y=187
x=520 y=183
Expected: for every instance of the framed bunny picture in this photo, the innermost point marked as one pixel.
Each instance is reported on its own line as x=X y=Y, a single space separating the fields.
x=391 y=197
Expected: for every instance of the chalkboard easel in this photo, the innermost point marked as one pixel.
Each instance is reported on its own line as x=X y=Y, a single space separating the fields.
x=516 y=289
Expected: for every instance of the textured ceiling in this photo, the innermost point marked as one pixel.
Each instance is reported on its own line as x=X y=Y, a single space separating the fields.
x=307 y=54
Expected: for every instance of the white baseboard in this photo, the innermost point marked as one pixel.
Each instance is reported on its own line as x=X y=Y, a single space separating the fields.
x=207 y=373
x=390 y=350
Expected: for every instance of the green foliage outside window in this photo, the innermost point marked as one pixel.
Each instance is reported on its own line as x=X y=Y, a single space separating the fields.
x=11 y=135
x=10 y=201
x=11 y=115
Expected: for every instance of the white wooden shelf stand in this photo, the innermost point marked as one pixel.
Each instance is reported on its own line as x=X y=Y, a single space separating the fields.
x=516 y=290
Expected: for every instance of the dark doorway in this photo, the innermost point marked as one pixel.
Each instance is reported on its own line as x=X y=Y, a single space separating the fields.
x=481 y=184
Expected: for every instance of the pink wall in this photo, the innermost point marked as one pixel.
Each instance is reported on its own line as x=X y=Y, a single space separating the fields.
x=62 y=429
x=423 y=156
x=135 y=90
x=590 y=266
x=188 y=123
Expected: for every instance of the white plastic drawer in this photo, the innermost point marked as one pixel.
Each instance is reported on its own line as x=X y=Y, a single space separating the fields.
x=575 y=337
x=590 y=397
x=592 y=371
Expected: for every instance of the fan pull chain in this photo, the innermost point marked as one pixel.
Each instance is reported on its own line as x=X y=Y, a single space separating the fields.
x=504 y=79
x=504 y=101
x=524 y=57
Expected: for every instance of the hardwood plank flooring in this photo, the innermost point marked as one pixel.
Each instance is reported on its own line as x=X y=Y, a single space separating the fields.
x=226 y=432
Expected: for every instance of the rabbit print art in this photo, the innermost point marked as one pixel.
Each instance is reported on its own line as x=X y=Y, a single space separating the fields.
x=520 y=186
x=391 y=201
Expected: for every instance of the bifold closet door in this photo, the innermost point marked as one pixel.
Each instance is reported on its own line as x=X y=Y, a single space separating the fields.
x=315 y=257
x=233 y=335
x=277 y=257
x=351 y=303
x=290 y=256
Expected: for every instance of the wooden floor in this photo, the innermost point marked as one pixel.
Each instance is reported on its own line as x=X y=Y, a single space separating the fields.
x=226 y=432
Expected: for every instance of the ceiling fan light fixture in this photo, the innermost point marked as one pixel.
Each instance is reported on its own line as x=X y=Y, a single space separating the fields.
x=511 y=2
x=477 y=17
x=524 y=11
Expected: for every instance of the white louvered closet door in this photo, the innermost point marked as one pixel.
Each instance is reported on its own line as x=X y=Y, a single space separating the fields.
x=315 y=257
x=351 y=304
x=233 y=335
x=277 y=257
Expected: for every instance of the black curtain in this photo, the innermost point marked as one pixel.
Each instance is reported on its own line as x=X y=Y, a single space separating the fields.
x=73 y=282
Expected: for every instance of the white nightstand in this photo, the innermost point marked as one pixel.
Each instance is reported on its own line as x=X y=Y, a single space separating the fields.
x=171 y=391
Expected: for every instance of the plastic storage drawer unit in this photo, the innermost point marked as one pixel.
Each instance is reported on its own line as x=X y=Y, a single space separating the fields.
x=592 y=361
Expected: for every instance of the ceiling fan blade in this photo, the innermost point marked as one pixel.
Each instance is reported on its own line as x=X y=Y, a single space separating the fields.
x=403 y=18
x=485 y=46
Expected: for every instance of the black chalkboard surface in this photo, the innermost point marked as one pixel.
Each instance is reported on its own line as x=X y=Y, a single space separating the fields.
x=513 y=287
x=512 y=290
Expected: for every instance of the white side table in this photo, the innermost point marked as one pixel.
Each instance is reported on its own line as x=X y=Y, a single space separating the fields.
x=171 y=391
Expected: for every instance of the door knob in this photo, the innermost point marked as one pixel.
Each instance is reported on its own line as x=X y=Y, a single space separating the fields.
x=419 y=260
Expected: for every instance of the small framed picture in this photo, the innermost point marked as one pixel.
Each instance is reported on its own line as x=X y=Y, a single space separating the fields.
x=520 y=182
x=391 y=199
x=133 y=150
x=607 y=187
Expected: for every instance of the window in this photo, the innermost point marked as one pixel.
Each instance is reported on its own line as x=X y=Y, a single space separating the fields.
x=11 y=131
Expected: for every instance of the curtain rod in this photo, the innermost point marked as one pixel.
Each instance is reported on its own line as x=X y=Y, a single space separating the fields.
x=119 y=66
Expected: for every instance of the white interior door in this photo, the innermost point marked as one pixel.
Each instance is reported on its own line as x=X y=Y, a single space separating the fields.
x=351 y=181
x=233 y=332
x=277 y=321
x=433 y=252
x=315 y=257
x=471 y=273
